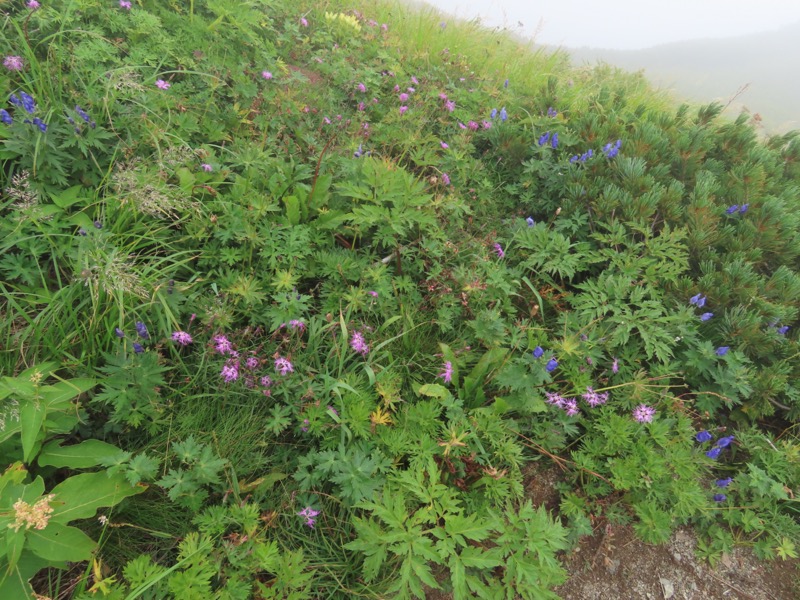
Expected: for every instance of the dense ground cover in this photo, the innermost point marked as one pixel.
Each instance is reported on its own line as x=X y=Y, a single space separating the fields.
x=291 y=294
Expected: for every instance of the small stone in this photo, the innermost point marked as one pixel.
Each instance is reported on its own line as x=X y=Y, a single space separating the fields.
x=667 y=587
x=677 y=556
x=612 y=566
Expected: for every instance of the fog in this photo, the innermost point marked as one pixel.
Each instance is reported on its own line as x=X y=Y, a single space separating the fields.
x=625 y=24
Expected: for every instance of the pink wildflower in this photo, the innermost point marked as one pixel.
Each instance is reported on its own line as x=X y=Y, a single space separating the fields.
x=444 y=145
x=447 y=374
x=222 y=344
x=499 y=250
x=283 y=366
x=403 y=109
x=373 y=293
x=445 y=179
x=13 y=63
x=182 y=338
x=362 y=88
x=206 y=167
x=403 y=97
x=251 y=362
x=473 y=126
x=266 y=75
x=125 y=4
x=33 y=4
x=644 y=413
x=162 y=85
x=297 y=324
x=570 y=407
x=230 y=372
x=358 y=344
x=450 y=105
x=303 y=22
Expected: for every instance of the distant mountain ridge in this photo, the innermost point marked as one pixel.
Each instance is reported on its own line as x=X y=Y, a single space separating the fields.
x=716 y=69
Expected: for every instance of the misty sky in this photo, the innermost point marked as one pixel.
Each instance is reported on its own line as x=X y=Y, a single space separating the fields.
x=626 y=24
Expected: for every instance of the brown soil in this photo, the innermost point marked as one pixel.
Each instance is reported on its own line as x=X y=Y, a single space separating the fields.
x=614 y=564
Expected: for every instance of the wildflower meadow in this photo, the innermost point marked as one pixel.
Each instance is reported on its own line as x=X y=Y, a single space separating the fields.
x=294 y=296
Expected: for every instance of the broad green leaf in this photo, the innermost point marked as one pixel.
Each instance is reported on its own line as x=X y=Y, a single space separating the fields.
x=59 y=394
x=434 y=390
x=14 y=580
x=15 y=540
x=83 y=494
x=60 y=542
x=68 y=197
x=77 y=456
x=31 y=417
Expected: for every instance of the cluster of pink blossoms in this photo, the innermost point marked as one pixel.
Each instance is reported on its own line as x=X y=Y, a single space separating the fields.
x=570 y=405
x=358 y=344
x=309 y=514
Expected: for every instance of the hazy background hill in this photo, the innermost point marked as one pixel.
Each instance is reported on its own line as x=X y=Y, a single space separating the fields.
x=706 y=70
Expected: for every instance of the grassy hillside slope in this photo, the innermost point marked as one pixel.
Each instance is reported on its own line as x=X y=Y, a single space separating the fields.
x=290 y=294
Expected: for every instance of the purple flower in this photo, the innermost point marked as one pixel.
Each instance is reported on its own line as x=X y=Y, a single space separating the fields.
x=447 y=374
x=414 y=80
x=119 y=333
x=593 y=398
x=450 y=105
x=33 y=4
x=722 y=350
x=706 y=316
x=207 y=167
x=493 y=114
x=444 y=145
x=358 y=344
x=486 y=124
x=222 y=344
x=283 y=366
x=266 y=381
x=297 y=324
x=362 y=88
x=743 y=208
x=554 y=141
x=5 y=117
x=503 y=114
x=724 y=442
x=411 y=90
x=732 y=209
x=98 y=225
x=720 y=497
x=499 y=250
x=551 y=112
x=384 y=27
x=126 y=4
x=252 y=362
x=442 y=96
x=530 y=221
x=699 y=300
x=538 y=352
x=473 y=126
x=303 y=22
x=403 y=109
x=138 y=348
x=40 y=124
x=162 y=85
x=545 y=137
x=13 y=63
x=141 y=329
x=783 y=330
x=713 y=453
x=182 y=338
x=554 y=399
x=266 y=75
x=403 y=97
x=723 y=482
x=445 y=179
x=505 y=85
x=615 y=366
x=309 y=515
x=703 y=436
x=570 y=406
x=230 y=372
x=644 y=413
x=373 y=293
x=551 y=365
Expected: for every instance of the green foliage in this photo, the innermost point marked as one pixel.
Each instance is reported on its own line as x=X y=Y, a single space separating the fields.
x=452 y=291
